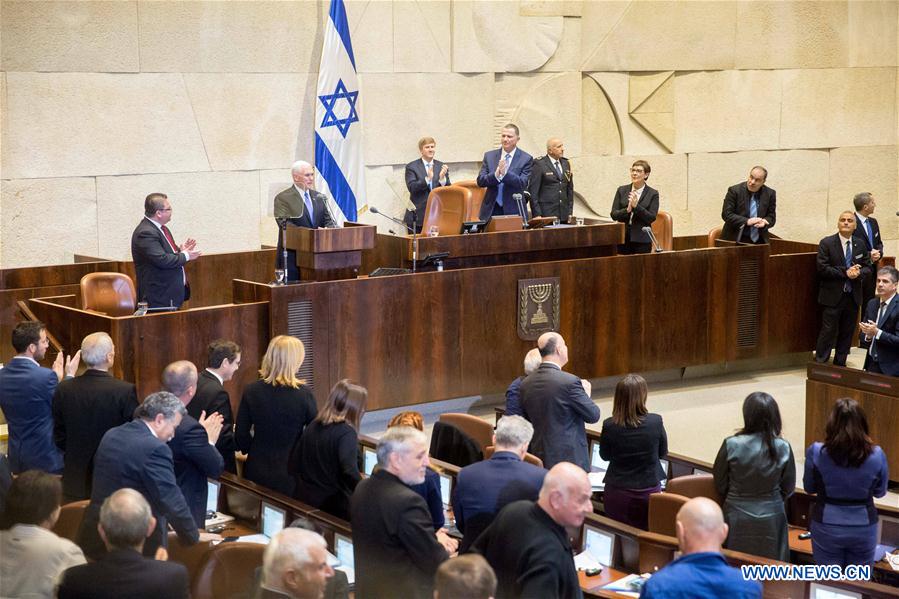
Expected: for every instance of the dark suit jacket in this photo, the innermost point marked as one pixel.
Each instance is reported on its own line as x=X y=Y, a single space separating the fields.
x=327 y=467
x=516 y=180
x=831 y=265
x=160 y=269
x=394 y=548
x=289 y=203
x=212 y=397
x=888 y=344
x=861 y=234
x=530 y=554
x=195 y=460
x=417 y=184
x=644 y=214
x=131 y=456
x=26 y=394
x=277 y=416
x=549 y=195
x=125 y=573
x=633 y=453
x=84 y=408
x=735 y=211
x=484 y=488
x=557 y=405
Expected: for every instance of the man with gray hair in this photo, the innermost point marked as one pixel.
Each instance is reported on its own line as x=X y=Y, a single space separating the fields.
x=136 y=455
x=394 y=547
x=84 y=408
x=484 y=488
x=125 y=523
x=295 y=566
x=532 y=361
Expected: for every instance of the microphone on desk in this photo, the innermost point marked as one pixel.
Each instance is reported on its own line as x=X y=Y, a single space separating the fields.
x=652 y=237
x=519 y=202
x=374 y=210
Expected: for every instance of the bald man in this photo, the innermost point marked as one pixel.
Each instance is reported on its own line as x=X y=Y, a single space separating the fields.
x=527 y=545
x=558 y=404
x=551 y=185
x=701 y=571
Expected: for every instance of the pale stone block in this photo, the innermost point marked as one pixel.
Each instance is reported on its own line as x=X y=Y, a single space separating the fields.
x=75 y=124
x=727 y=110
x=47 y=221
x=651 y=92
x=635 y=140
x=600 y=133
x=551 y=8
x=271 y=183
x=874 y=169
x=826 y=108
x=400 y=108
x=598 y=20
x=422 y=36
x=219 y=210
x=662 y=36
x=872 y=34
x=800 y=178
x=492 y=36
x=252 y=37
x=371 y=30
x=254 y=121
x=567 y=56
x=69 y=36
x=543 y=106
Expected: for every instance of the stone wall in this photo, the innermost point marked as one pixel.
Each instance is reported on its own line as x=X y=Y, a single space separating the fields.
x=210 y=102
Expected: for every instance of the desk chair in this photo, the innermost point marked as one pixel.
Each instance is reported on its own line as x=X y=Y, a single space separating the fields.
x=663 y=508
x=528 y=457
x=695 y=485
x=475 y=198
x=229 y=570
x=663 y=229
x=480 y=431
x=70 y=516
x=445 y=210
x=713 y=235
x=111 y=293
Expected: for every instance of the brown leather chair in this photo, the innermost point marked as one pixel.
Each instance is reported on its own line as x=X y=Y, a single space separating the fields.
x=111 y=293
x=228 y=571
x=663 y=508
x=663 y=229
x=479 y=430
x=445 y=210
x=475 y=198
x=528 y=457
x=510 y=222
x=70 y=516
x=713 y=235
x=694 y=485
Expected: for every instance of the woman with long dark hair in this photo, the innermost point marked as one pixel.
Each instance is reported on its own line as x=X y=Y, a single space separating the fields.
x=754 y=472
x=847 y=471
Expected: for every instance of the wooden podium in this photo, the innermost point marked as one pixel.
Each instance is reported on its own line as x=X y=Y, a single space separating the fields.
x=330 y=254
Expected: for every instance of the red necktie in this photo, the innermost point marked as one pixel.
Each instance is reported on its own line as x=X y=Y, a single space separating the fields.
x=171 y=240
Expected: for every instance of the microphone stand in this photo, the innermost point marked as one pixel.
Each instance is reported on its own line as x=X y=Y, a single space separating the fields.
x=652 y=238
x=282 y=233
x=405 y=226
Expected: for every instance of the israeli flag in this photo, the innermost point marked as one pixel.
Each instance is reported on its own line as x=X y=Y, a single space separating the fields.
x=338 y=130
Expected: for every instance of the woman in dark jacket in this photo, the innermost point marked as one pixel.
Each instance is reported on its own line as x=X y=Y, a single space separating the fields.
x=632 y=441
x=276 y=409
x=327 y=456
x=846 y=472
x=754 y=472
x=637 y=206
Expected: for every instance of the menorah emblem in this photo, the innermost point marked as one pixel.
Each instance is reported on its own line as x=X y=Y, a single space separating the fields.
x=539 y=294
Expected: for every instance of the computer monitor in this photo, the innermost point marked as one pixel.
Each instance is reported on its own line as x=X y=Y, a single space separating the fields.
x=599 y=544
x=369 y=460
x=700 y=471
x=273 y=519
x=446 y=489
x=212 y=495
x=343 y=549
x=820 y=591
x=597 y=464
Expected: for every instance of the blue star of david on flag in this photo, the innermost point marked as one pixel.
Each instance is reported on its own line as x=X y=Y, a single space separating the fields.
x=330 y=103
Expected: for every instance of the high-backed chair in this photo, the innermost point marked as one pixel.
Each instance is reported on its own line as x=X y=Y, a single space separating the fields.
x=528 y=457
x=663 y=229
x=480 y=431
x=445 y=210
x=713 y=235
x=694 y=485
x=475 y=200
x=70 y=516
x=111 y=293
x=663 y=508
x=228 y=571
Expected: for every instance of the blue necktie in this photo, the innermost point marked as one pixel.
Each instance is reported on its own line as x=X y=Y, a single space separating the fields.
x=870 y=232
x=430 y=179
x=499 y=189
x=308 y=203
x=753 y=213
x=847 y=286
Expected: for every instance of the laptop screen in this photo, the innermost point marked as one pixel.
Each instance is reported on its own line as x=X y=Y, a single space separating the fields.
x=273 y=519
x=369 y=460
x=212 y=495
x=597 y=464
x=820 y=591
x=343 y=547
x=446 y=489
x=599 y=544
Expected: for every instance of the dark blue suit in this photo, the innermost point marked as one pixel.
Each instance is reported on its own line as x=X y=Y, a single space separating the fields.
x=131 y=456
x=484 y=488
x=26 y=397
x=195 y=460
x=887 y=347
x=516 y=180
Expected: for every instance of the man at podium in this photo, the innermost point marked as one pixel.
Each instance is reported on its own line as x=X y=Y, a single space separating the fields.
x=301 y=206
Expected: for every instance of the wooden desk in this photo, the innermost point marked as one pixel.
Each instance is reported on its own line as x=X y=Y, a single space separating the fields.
x=592 y=585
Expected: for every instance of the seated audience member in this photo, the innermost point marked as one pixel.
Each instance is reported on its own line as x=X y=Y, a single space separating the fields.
x=193 y=446
x=429 y=489
x=513 y=393
x=125 y=524
x=277 y=408
x=633 y=441
x=701 y=572
x=222 y=361
x=527 y=545
x=326 y=460
x=32 y=557
x=637 y=206
x=880 y=325
x=295 y=566
x=465 y=577
x=847 y=471
x=484 y=488
x=395 y=550
x=754 y=472
x=558 y=404
x=84 y=408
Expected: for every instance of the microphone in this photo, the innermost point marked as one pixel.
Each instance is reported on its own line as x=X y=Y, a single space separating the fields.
x=652 y=238
x=517 y=198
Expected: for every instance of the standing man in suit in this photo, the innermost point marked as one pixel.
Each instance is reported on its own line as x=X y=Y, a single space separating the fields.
x=504 y=172
x=26 y=398
x=551 y=185
x=842 y=266
x=880 y=325
x=558 y=404
x=126 y=521
x=422 y=176
x=637 y=206
x=750 y=209
x=84 y=408
x=484 y=488
x=867 y=233
x=158 y=260
x=222 y=362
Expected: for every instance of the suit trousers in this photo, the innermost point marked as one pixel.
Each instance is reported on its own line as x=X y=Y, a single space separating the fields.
x=837 y=326
x=872 y=365
x=842 y=544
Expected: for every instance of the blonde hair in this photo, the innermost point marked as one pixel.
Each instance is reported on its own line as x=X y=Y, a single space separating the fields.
x=284 y=356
